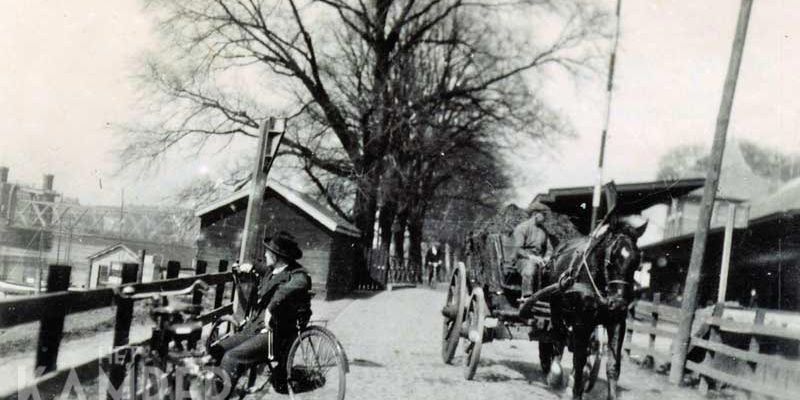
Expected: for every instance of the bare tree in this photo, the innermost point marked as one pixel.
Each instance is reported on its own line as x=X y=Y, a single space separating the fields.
x=342 y=63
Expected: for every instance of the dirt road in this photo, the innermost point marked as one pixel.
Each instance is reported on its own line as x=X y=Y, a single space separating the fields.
x=393 y=342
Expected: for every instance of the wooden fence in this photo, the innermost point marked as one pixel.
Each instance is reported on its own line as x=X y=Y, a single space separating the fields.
x=732 y=347
x=742 y=354
x=651 y=321
x=50 y=310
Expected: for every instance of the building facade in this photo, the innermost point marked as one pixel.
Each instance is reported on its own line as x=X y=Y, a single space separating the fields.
x=328 y=242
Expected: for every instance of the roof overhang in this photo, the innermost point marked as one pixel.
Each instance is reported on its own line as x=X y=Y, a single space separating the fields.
x=111 y=248
x=290 y=196
x=632 y=198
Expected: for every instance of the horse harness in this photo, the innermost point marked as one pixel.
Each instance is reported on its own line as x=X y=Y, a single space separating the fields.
x=568 y=277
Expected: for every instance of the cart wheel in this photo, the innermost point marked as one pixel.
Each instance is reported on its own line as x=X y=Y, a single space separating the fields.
x=593 y=360
x=476 y=313
x=453 y=312
x=223 y=327
x=317 y=366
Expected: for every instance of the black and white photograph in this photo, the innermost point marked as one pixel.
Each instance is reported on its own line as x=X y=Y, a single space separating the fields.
x=399 y=199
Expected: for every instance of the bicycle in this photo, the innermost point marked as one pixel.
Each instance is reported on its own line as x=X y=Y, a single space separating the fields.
x=172 y=364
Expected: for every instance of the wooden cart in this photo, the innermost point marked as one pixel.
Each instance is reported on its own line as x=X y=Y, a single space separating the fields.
x=482 y=305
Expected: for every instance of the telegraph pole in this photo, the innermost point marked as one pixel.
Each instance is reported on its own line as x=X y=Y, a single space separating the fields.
x=269 y=140
x=270 y=136
x=712 y=181
x=609 y=92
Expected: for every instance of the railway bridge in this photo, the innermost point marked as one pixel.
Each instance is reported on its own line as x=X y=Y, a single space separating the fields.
x=40 y=226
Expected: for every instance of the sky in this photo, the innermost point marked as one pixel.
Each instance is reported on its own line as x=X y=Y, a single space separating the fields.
x=65 y=84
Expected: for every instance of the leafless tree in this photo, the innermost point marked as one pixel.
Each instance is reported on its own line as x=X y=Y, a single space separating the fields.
x=343 y=64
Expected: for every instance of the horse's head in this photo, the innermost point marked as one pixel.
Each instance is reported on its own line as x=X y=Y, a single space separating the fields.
x=621 y=258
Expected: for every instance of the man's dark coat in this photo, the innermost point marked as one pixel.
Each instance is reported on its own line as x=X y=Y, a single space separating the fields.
x=285 y=295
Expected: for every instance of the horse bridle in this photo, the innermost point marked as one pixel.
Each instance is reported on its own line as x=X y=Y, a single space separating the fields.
x=567 y=279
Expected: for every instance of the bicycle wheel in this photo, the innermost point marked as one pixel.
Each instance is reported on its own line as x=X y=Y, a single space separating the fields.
x=220 y=329
x=317 y=366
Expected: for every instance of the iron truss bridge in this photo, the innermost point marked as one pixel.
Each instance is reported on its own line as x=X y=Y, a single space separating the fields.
x=136 y=222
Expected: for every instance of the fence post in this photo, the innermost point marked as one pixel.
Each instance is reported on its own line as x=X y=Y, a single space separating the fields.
x=52 y=323
x=714 y=336
x=199 y=269
x=173 y=269
x=649 y=361
x=759 y=369
x=140 y=273
x=122 y=328
x=218 y=296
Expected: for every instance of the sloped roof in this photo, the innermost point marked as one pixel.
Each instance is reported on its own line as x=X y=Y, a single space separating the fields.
x=786 y=198
x=113 y=247
x=737 y=181
x=311 y=207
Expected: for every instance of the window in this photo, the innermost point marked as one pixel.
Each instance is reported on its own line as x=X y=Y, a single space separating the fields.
x=102 y=274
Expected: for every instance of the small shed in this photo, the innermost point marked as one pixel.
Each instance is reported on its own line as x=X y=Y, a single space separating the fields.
x=328 y=241
x=105 y=266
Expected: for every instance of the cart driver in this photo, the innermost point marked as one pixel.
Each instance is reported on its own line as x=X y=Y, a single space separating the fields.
x=283 y=287
x=533 y=245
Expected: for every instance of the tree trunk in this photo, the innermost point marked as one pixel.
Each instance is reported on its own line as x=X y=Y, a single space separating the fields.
x=415 y=226
x=388 y=211
x=399 y=231
x=364 y=217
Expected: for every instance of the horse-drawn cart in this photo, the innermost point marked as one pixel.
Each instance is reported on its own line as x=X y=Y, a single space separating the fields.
x=483 y=304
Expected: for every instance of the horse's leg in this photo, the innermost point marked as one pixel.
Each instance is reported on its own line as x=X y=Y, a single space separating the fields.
x=580 y=347
x=616 y=335
x=555 y=373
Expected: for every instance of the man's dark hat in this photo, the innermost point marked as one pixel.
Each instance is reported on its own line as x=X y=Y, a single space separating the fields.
x=284 y=245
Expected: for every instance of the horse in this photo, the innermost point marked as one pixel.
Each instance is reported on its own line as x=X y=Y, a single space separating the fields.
x=593 y=277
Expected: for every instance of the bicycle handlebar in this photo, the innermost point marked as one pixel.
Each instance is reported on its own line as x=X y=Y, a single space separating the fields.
x=128 y=292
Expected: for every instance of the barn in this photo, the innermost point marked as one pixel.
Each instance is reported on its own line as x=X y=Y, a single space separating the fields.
x=328 y=242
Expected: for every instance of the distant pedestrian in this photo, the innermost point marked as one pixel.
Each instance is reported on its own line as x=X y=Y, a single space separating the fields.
x=433 y=259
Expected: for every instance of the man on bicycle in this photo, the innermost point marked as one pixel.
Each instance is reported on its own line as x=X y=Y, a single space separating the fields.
x=282 y=298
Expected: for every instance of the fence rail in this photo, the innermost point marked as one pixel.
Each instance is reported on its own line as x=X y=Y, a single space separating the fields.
x=735 y=348
x=51 y=309
x=751 y=368
x=652 y=320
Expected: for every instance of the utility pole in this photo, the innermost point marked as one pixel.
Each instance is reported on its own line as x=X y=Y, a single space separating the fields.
x=269 y=140
x=689 y=304
x=609 y=92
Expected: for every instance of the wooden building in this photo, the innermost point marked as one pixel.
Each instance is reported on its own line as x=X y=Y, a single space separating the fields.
x=329 y=243
x=765 y=250
x=105 y=266
x=765 y=255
